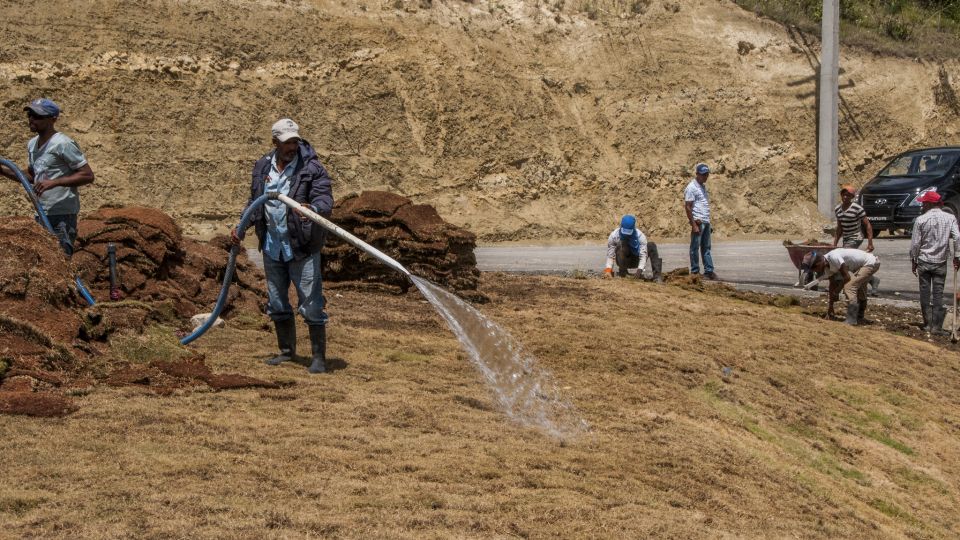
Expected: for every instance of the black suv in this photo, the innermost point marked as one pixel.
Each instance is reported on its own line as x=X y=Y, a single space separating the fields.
x=890 y=199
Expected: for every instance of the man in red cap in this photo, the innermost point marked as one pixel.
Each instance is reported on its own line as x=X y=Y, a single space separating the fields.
x=933 y=232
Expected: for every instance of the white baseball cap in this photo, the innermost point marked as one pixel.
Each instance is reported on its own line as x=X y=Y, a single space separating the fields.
x=285 y=129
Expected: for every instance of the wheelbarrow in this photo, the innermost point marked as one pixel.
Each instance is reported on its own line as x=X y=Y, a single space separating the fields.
x=798 y=251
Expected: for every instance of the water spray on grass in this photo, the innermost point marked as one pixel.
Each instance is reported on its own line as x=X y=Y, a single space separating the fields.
x=527 y=393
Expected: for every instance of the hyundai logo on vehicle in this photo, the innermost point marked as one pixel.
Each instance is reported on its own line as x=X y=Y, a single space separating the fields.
x=881 y=202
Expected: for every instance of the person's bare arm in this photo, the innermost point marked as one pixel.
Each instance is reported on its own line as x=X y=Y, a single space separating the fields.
x=694 y=226
x=80 y=177
x=8 y=172
x=833 y=293
x=838 y=233
x=869 y=228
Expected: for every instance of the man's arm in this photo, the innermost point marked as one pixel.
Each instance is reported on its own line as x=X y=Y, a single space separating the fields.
x=643 y=255
x=612 y=241
x=833 y=293
x=80 y=177
x=8 y=172
x=955 y=236
x=844 y=273
x=869 y=229
x=915 y=243
x=688 y=206
x=321 y=192
x=837 y=233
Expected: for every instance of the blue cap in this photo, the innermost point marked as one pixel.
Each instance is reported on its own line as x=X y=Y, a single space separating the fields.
x=43 y=107
x=702 y=168
x=628 y=224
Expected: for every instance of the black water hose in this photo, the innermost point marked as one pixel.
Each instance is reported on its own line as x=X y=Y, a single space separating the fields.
x=43 y=218
x=228 y=272
x=112 y=261
x=305 y=212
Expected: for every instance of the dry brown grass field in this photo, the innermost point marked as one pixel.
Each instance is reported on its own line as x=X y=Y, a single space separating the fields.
x=819 y=430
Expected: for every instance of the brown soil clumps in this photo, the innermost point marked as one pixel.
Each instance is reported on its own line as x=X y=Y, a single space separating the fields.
x=413 y=234
x=51 y=341
x=156 y=264
x=163 y=377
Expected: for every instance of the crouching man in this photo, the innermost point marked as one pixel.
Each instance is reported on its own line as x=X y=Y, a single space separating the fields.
x=628 y=247
x=291 y=243
x=855 y=267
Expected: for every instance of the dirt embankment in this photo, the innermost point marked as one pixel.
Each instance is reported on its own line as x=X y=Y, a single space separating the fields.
x=516 y=119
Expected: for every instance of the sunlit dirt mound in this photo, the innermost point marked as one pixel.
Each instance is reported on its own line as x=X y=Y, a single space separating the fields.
x=413 y=234
x=52 y=343
x=156 y=264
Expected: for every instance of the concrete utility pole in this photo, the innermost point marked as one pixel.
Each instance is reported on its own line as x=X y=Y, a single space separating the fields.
x=828 y=149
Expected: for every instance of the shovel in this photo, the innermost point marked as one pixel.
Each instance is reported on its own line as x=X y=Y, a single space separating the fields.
x=953 y=325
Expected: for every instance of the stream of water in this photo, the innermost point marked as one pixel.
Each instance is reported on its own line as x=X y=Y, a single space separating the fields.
x=527 y=393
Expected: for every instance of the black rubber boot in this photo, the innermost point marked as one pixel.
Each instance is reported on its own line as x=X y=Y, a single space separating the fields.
x=286 y=341
x=852 y=309
x=862 y=312
x=318 y=344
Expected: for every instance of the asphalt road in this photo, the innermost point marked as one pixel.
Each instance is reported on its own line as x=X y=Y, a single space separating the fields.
x=750 y=264
x=755 y=264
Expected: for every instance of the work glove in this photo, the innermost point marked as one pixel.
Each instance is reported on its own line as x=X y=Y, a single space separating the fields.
x=607 y=273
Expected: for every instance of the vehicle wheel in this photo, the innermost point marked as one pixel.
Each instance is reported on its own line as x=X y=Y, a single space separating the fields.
x=951 y=208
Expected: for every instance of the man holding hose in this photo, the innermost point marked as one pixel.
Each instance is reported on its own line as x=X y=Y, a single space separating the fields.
x=291 y=243
x=56 y=167
x=933 y=232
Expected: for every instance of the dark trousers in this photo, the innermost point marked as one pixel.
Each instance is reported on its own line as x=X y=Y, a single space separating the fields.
x=700 y=246
x=626 y=259
x=65 y=227
x=932 y=279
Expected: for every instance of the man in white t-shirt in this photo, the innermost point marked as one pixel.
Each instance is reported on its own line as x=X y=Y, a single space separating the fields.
x=856 y=267
x=56 y=168
x=696 y=204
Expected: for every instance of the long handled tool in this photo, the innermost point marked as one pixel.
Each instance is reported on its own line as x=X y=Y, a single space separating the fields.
x=953 y=325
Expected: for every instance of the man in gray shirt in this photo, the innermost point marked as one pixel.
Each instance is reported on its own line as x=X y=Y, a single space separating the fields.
x=56 y=168
x=933 y=232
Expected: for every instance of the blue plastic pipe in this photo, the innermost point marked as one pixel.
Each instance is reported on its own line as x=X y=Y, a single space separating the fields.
x=228 y=272
x=43 y=218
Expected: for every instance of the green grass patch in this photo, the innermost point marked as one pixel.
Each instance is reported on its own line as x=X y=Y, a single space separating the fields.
x=910 y=478
x=156 y=343
x=889 y=509
x=891 y=442
x=854 y=475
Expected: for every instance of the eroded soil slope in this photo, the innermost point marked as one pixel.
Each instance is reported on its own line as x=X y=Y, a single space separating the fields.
x=515 y=119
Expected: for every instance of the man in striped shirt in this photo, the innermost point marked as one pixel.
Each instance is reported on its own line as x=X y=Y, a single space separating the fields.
x=851 y=221
x=933 y=232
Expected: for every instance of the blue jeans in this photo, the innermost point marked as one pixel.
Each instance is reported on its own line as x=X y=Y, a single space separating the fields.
x=65 y=227
x=700 y=245
x=306 y=278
